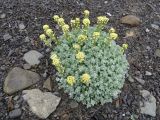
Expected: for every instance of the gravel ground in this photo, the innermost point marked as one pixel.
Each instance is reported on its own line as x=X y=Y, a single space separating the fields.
x=21 y=23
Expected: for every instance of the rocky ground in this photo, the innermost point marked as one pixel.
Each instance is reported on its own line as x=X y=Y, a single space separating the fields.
x=24 y=60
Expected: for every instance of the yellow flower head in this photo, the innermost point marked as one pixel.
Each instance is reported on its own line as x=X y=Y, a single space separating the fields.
x=53 y=56
x=80 y=56
x=55 y=17
x=112 y=30
x=60 y=22
x=96 y=35
x=45 y=27
x=102 y=20
x=86 y=13
x=85 y=78
x=65 y=28
x=71 y=80
x=76 y=46
x=42 y=37
x=77 y=20
x=124 y=46
x=113 y=36
x=56 y=61
x=49 y=32
x=73 y=23
x=86 y=22
x=82 y=38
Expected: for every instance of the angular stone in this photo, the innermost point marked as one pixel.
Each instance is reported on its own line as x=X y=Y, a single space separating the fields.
x=73 y=104
x=148 y=73
x=148 y=105
x=7 y=36
x=32 y=57
x=48 y=84
x=131 y=20
x=19 y=79
x=21 y=26
x=141 y=81
x=157 y=53
x=41 y=104
x=156 y=27
x=15 y=113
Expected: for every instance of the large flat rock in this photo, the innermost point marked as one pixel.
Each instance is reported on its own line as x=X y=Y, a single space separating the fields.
x=41 y=103
x=19 y=79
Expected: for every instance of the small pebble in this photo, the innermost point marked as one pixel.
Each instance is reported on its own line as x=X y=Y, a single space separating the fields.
x=15 y=98
x=105 y=2
x=147 y=30
x=21 y=26
x=109 y=14
x=27 y=66
x=155 y=26
x=141 y=81
x=27 y=39
x=15 y=113
x=73 y=104
x=130 y=79
x=7 y=36
x=3 y=15
x=148 y=73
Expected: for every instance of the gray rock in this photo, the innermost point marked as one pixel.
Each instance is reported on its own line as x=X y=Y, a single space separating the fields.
x=130 y=79
x=3 y=15
x=19 y=79
x=27 y=39
x=7 y=36
x=21 y=26
x=48 y=84
x=73 y=104
x=148 y=104
x=157 y=53
x=15 y=113
x=156 y=27
x=41 y=104
x=32 y=57
x=27 y=66
x=148 y=73
x=141 y=81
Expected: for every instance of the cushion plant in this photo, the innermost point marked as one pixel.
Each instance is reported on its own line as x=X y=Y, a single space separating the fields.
x=91 y=66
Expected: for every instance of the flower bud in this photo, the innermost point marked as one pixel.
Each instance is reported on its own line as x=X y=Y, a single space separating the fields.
x=42 y=37
x=45 y=27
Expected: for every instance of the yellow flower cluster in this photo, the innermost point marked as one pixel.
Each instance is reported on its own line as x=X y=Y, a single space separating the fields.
x=112 y=30
x=61 y=22
x=113 y=36
x=65 y=28
x=85 y=78
x=102 y=20
x=80 y=56
x=71 y=80
x=86 y=22
x=45 y=27
x=49 y=32
x=76 y=47
x=42 y=37
x=96 y=35
x=56 y=17
x=125 y=46
x=86 y=13
x=57 y=63
x=73 y=23
x=55 y=60
x=82 y=38
x=77 y=21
